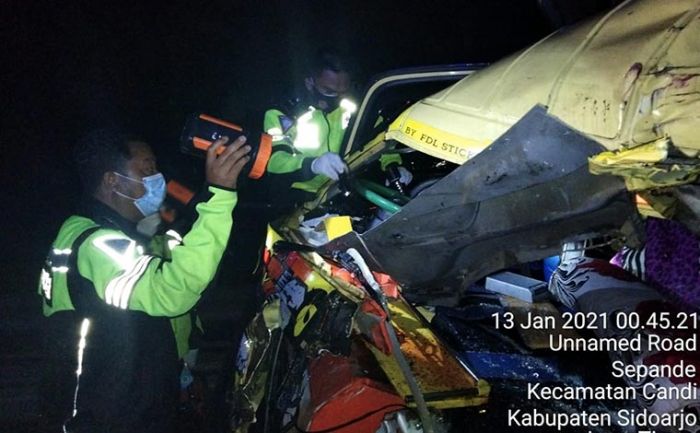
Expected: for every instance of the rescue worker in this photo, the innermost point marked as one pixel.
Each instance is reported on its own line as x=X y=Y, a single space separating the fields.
x=308 y=130
x=126 y=362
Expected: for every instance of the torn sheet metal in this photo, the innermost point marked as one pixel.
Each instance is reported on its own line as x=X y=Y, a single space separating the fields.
x=445 y=382
x=513 y=203
x=647 y=166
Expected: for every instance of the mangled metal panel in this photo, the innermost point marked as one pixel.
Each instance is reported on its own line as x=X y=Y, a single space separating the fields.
x=628 y=77
x=515 y=202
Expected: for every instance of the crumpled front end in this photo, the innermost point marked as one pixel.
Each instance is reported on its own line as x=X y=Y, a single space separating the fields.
x=515 y=202
x=629 y=79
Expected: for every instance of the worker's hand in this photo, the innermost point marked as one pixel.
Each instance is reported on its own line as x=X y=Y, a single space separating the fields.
x=223 y=167
x=405 y=175
x=330 y=165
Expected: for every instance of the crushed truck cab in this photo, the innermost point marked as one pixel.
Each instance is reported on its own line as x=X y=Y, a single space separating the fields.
x=569 y=142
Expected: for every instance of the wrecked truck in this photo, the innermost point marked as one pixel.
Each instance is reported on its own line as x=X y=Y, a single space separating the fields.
x=377 y=315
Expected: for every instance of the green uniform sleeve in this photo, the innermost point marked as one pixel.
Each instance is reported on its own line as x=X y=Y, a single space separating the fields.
x=128 y=278
x=273 y=126
x=284 y=158
x=282 y=162
x=183 y=325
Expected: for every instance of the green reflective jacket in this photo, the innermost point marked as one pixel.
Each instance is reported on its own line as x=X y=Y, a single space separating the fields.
x=296 y=143
x=129 y=276
x=184 y=324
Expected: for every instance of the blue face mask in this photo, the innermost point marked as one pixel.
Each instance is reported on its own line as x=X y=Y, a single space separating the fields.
x=150 y=202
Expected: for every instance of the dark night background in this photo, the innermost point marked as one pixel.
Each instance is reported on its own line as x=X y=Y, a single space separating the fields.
x=144 y=64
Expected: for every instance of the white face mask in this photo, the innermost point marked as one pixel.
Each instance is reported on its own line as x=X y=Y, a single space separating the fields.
x=148 y=226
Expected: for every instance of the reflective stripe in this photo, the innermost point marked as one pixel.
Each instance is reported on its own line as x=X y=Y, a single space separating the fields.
x=118 y=290
x=175 y=239
x=129 y=286
x=56 y=262
x=127 y=254
x=307 y=136
x=172 y=243
x=59 y=258
x=173 y=234
x=124 y=259
x=46 y=284
x=349 y=108
x=84 y=329
x=348 y=105
x=276 y=133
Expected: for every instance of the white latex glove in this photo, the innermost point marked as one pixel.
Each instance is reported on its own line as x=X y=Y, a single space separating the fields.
x=330 y=165
x=405 y=175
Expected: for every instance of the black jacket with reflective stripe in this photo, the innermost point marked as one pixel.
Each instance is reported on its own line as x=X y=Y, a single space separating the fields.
x=129 y=379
